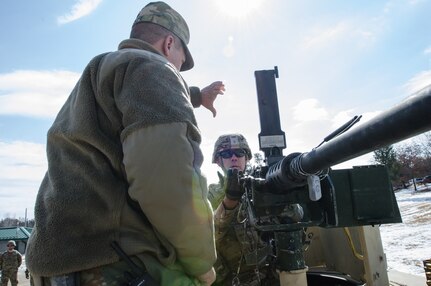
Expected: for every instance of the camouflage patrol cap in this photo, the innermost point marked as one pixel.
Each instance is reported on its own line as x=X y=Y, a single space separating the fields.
x=230 y=141
x=162 y=14
x=11 y=242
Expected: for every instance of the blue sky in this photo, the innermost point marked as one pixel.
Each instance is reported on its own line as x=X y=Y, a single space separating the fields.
x=336 y=59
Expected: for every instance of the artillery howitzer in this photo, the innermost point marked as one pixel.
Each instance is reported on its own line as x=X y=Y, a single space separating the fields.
x=327 y=199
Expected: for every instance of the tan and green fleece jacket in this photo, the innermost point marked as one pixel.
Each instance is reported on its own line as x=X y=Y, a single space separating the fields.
x=128 y=127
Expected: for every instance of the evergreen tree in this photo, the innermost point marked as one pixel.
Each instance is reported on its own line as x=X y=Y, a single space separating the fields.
x=388 y=157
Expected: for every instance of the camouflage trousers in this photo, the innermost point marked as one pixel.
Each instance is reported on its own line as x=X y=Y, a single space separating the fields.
x=114 y=274
x=11 y=275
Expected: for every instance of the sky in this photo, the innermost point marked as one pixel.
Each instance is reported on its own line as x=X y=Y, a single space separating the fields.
x=336 y=59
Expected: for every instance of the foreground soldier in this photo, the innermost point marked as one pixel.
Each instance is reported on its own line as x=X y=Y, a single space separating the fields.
x=124 y=169
x=10 y=261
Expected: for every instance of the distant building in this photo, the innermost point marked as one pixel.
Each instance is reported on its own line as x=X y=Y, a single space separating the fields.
x=20 y=234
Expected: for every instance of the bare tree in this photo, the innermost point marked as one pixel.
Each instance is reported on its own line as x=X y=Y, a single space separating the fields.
x=412 y=160
x=258 y=159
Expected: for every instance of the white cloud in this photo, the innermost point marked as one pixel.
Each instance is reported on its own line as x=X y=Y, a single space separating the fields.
x=418 y=82
x=80 y=9
x=366 y=159
x=309 y=110
x=21 y=160
x=322 y=37
x=368 y=30
x=309 y=133
x=22 y=167
x=35 y=93
x=341 y=117
x=367 y=116
x=427 y=50
x=359 y=32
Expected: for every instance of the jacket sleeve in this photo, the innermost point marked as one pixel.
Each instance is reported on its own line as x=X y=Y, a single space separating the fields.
x=195 y=96
x=162 y=160
x=223 y=219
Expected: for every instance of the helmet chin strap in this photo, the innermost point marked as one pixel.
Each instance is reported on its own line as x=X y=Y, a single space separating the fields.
x=221 y=165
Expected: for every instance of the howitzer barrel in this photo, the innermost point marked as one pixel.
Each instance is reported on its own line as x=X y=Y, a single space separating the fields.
x=409 y=118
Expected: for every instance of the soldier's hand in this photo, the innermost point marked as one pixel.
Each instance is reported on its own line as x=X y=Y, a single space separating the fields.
x=209 y=95
x=233 y=189
x=27 y=275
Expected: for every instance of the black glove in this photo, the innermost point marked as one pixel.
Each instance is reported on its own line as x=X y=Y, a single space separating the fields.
x=233 y=189
x=27 y=275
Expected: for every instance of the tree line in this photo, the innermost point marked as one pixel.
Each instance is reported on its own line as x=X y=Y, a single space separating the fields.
x=406 y=160
x=16 y=222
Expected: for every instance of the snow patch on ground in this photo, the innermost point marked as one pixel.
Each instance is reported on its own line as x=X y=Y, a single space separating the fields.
x=407 y=244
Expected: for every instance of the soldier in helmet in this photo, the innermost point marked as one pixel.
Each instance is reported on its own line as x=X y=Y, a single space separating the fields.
x=243 y=253
x=232 y=154
x=124 y=174
x=10 y=261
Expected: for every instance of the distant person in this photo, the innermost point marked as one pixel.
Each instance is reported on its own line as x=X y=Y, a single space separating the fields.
x=10 y=261
x=124 y=174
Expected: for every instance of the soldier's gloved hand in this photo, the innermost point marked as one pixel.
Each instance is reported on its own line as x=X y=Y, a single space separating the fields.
x=27 y=275
x=233 y=189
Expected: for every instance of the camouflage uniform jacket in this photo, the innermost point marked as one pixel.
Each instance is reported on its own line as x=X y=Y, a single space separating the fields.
x=124 y=163
x=10 y=260
x=230 y=259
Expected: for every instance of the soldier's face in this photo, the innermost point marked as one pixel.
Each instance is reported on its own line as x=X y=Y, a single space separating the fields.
x=234 y=162
x=10 y=246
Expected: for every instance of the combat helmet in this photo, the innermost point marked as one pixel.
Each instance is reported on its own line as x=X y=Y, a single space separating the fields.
x=11 y=242
x=230 y=141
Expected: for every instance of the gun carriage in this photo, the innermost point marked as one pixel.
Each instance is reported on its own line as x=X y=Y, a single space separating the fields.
x=327 y=201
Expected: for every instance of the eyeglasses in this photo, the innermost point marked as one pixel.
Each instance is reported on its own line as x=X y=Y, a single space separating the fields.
x=226 y=154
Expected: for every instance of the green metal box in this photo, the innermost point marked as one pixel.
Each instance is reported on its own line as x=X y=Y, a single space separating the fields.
x=364 y=196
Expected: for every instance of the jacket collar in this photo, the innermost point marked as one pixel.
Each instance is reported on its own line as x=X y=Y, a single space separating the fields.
x=138 y=44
